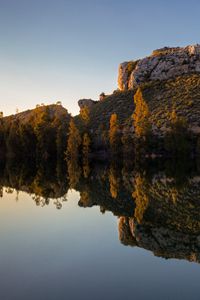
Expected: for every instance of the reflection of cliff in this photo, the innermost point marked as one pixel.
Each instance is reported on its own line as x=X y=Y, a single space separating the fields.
x=170 y=225
x=162 y=241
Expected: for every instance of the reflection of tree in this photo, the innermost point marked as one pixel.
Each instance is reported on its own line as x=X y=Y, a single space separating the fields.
x=86 y=150
x=1 y=191
x=9 y=190
x=74 y=142
x=86 y=168
x=141 y=197
x=114 y=181
x=84 y=199
x=40 y=181
x=74 y=173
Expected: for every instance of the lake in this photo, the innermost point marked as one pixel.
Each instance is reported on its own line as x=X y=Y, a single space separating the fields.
x=103 y=232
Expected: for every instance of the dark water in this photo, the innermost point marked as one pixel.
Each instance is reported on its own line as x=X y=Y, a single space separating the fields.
x=102 y=233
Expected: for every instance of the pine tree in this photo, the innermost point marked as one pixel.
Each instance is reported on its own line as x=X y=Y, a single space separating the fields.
x=114 y=137
x=141 y=116
x=86 y=145
x=86 y=150
x=74 y=141
x=141 y=198
x=85 y=114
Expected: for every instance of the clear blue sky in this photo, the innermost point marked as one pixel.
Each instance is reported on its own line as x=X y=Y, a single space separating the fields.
x=66 y=50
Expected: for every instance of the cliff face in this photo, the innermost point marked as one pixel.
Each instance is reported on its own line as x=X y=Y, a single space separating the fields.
x=162 y=64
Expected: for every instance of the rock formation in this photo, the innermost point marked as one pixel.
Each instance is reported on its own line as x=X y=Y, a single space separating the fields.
x=86 y=102
x=162 y=64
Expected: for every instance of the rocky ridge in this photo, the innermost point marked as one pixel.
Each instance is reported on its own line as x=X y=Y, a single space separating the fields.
x=162 y=64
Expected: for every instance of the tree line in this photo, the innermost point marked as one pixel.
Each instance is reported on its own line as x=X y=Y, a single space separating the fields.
x=59 y=137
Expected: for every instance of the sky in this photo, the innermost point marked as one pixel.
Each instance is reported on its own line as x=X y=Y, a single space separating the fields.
x=66 y=50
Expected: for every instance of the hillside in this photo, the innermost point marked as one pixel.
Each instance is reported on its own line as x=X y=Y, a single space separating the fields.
x=120 y=102
x=169 y=79
x=30 y=116
x=40 y=133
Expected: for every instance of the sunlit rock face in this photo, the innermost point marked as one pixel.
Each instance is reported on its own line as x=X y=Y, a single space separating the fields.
x=162 y=64
x=86 y=103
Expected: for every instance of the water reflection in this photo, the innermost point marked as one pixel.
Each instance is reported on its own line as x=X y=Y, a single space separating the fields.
x=157 y=204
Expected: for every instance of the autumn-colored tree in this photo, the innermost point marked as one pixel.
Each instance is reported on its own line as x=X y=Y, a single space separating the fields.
x=84 y=199
x=114 y=182
x=141 y=198
x=86 y=145
x=74 y=141
x=114 y=136
x=141 y=115
x=44 y=131
x=74 y=172
x=86 y=150
x=85 y=114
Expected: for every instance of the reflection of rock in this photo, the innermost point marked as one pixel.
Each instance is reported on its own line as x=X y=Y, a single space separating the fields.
x=162 y=241
x=162 y=64
x=170 y=225
x=125 y=235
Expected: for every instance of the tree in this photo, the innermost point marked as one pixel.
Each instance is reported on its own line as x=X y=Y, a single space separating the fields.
x=85 y=114
x=86 y=145
x=114 y=181
x=141 y=116
x=74 y=141
x=142 y=126
x=141 y=197
x=1 y=114
x=86 y=149
x=114 y=137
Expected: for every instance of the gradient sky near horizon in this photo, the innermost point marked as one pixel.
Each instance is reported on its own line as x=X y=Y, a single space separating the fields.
x=70 y=49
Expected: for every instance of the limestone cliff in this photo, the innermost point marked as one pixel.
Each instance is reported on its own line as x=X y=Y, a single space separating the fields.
x=162 y=64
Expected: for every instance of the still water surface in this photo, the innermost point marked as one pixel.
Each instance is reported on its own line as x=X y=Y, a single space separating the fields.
x=86 y=251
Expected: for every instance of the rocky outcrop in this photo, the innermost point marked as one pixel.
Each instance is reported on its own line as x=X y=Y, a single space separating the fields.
x=86 y=103
x=162 y=64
